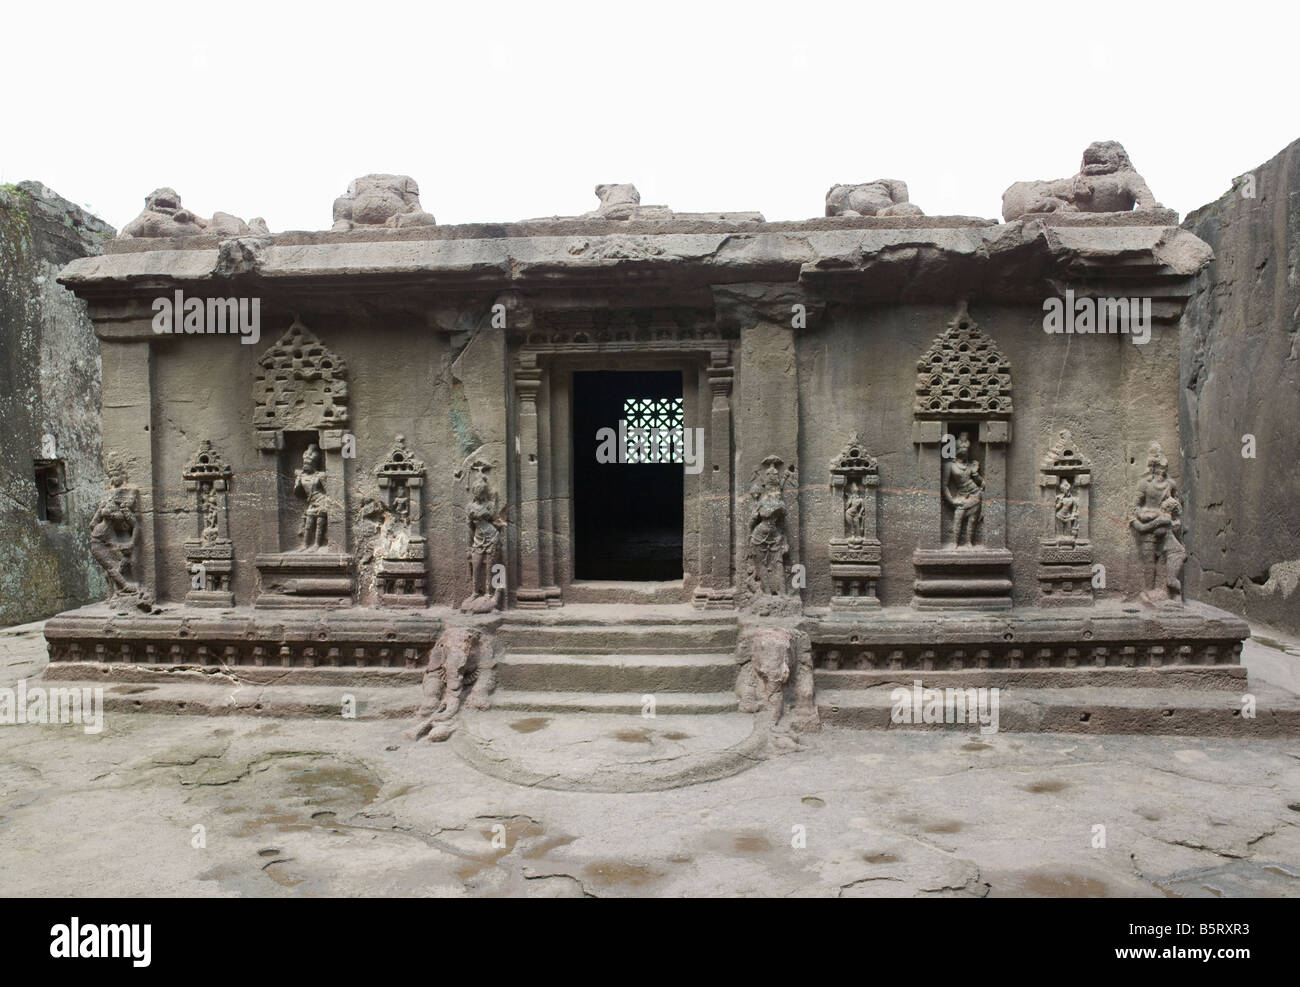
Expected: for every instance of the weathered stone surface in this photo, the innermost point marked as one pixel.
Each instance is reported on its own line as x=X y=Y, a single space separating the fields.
x=882 y=197
x=49 y=386
x=1240 y=398
x=164 y=217
x=1106 y=182
x=391 y=201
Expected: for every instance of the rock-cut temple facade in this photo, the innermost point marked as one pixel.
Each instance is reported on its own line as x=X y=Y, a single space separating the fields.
x=785 y=463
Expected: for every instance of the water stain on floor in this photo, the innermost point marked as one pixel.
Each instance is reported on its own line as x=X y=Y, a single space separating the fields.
x=880 y=858
x=530 y=724
x=975 y=745
x=1046 y=883
x=814 y=801
x=1046 y=785
x=949 y=826
x=614 y=873
x=752 y=843
x=638 y=736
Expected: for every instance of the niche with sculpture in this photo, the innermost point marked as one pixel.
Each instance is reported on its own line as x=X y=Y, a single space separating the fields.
x=210 y=554
x=400 y=542
x=1065 y=551
x=962 y=429
x=300 y=416
x=855 y=546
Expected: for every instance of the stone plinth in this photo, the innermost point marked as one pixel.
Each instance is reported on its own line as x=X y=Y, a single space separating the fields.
x=962 y=579
x=305 y=579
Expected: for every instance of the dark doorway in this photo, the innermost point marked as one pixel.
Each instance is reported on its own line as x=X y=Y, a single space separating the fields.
x=627 y=514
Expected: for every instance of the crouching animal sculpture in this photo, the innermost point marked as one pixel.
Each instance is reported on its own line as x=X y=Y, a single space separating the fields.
x=1106 y=182
x=776 y=677
x=461 y=669
x=164 y=216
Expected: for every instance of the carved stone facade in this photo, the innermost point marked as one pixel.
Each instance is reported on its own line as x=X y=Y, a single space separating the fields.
x=945 y=540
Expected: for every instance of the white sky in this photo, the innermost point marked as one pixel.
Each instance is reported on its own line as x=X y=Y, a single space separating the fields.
x=504 y=111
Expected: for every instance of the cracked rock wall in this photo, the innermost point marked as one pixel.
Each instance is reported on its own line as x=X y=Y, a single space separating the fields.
x=1240 y=366
x=49 y=385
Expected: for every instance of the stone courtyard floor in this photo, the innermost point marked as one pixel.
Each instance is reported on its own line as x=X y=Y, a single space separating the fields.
x=198 y=806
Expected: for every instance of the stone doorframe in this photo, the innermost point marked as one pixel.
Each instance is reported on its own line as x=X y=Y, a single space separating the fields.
x=542 y=422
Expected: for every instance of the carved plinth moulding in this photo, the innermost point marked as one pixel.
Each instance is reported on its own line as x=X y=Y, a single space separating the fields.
x=769 y=588
x=210 y=554
x=400 y=544
x=855 y=550
x=300 y=410
x=1065 y=553
x=1157 y=522
x=962 y=422
x=115 y=539
x=486 y=520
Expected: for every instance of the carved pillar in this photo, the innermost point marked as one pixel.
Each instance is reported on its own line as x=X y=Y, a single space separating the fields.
x=529 y=594
x=855 y=551
x=127 y=361
x=962 y=429
x=768 y=318
x=717 y=590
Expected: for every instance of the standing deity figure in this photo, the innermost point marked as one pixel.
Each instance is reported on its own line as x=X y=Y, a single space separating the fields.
x=1157 y=521
x=767 y=541
x=1067 y=512
x=963 y=491
x=310 y=482
x=211 y=517
x=114 y=537
x=485 y=524
x=855 y=512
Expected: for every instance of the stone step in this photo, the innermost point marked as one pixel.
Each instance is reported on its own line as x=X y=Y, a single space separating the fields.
x=223 y=698
x=666 y=703
x=647 y=639
x=1197 y=677
x=1090 y=710
x=618 y=615
x=617 y=673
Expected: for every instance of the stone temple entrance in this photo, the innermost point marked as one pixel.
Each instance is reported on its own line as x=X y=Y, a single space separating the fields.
x=628 y=475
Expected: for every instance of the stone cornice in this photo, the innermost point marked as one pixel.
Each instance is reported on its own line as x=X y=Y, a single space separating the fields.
x=893 y=261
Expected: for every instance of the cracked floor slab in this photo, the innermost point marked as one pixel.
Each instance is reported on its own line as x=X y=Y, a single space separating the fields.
x=159 y=805
x=254 y=806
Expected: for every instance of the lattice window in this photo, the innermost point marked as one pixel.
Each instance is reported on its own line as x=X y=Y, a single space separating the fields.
x=655 y=428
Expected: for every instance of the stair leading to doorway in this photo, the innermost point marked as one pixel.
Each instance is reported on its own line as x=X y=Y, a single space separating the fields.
x=607 y=658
